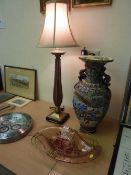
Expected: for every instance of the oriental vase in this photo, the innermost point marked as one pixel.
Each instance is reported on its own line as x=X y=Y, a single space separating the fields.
x=92 y=95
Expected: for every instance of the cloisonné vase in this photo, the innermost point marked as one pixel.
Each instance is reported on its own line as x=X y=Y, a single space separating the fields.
x=92 y=94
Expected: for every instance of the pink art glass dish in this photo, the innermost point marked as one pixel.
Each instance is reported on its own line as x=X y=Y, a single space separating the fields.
x=66 y=144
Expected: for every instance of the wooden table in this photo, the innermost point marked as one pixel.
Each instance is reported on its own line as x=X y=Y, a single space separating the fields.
x=24 y=159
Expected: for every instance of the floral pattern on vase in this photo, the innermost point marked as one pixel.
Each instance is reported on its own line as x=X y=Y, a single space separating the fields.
x=92 y=94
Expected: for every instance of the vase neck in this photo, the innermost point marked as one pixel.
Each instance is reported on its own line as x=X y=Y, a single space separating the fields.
x=94 y=72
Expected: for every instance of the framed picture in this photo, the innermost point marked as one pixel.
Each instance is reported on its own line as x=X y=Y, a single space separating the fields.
x=121 y=159
x=86 y=3
x=1 y=82
x=126 y=106
x=20 y=81
x=43 y=5
x=18 y=101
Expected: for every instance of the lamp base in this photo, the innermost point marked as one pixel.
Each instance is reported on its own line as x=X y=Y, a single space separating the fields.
x=57 y=118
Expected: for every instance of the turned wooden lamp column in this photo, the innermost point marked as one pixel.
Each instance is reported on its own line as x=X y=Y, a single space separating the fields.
x=57 y=93
x=57 y=34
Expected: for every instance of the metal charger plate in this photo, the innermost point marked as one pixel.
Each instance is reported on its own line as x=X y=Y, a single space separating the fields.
x=14 y=126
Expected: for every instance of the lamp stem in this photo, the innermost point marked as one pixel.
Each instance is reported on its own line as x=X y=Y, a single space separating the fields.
x=57 y=92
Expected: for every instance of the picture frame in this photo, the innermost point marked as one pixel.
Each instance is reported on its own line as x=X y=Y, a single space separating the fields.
x=18 y=101
x=1 y=82
x=87 y=3
x=20 y=81
x=121 y=159
x=125 y=116
x=43 y=5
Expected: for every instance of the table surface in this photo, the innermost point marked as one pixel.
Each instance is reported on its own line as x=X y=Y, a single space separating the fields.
x=24 y=159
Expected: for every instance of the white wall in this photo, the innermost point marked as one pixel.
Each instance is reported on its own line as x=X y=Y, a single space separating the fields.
x=103 y=27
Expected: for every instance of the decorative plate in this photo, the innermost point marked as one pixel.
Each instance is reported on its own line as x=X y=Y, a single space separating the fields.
x=14 y=126
x=65 y=144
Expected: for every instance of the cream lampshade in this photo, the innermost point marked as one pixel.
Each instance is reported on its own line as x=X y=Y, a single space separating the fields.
x=57 y=34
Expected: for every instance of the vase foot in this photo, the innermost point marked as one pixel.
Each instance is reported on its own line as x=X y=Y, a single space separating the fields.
x=87 y=129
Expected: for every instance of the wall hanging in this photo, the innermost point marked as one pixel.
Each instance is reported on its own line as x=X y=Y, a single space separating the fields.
x=86 y=3
x=20 y=81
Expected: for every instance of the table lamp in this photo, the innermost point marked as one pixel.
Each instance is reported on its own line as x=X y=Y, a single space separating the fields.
x=57 y=34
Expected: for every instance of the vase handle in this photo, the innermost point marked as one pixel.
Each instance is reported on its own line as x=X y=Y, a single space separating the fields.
x=106 y=79
x=82 y=74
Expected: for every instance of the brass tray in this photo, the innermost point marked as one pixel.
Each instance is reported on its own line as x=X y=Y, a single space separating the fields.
x=66 y=144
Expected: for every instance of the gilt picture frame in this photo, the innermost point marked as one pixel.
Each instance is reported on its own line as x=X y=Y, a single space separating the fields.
x=87 y=3
x=20 y=81
x=43 y=5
